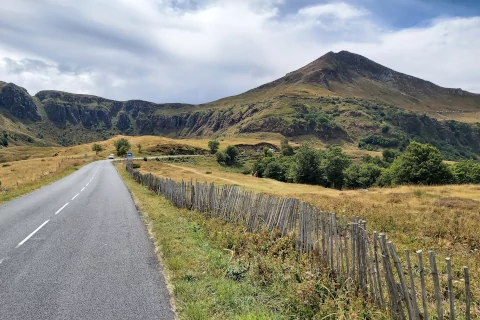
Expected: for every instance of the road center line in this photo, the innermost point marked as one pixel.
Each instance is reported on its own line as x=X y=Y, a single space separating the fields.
x=75 y=196
x=66 y=204
x=82 y=189
x=87 y=184
x=31 y=234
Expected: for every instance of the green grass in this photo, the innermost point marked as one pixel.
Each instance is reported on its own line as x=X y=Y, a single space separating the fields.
x=218 y=271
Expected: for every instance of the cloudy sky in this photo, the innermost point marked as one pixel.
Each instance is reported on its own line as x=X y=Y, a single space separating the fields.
x=201 y=50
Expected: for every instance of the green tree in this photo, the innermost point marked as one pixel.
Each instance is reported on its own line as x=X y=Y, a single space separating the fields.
x=261 y=165
x=123 y=146
x=334 y=164
x=139 y=146
x=278 y=169
x=97 y=148
x=221 y=157
x=231 y=155
x=467 y=171
x=122 y=151
x=420 y=164
x=375 y=160
x=362 y=175
x=267 y=152
x=389 y=155
x=306 y=167
x=213 y=145
x=286 y=148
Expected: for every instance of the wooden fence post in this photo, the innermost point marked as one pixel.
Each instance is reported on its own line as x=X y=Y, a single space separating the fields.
x=436 y=282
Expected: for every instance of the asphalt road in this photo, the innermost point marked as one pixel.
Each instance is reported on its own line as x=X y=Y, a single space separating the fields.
x=78 y=249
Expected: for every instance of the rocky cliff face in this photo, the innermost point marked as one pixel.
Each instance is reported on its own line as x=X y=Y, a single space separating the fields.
x=340 y=97
x=18 y=102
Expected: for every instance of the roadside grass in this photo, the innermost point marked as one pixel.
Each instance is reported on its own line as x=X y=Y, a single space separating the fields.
x=220 y=271
x=21 y=177
x=441 y=218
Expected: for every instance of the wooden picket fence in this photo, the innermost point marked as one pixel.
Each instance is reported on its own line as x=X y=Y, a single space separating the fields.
x=369 y=262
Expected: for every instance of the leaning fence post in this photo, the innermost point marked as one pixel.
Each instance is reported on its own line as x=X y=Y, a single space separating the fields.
x=412 y=285
x=395 y=306
x=403 y=283
x=436 y=282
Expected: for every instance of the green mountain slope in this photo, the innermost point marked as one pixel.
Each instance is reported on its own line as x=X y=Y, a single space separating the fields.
x=339 y=98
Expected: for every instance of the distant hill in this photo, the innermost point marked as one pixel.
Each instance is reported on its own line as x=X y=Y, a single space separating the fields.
x=349 y=74
x=339 y=98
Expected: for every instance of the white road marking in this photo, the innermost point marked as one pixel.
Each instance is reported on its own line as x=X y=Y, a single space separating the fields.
x=87 y=184
x=1 y=260
x=31 y=234
x=82 y=189
x=66 y=204
x=75 y=196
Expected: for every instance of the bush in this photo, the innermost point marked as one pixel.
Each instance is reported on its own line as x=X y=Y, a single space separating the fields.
x=267 y=152
x=97 y=148
x=221 y=157
x=467 y=171
x=390 y=155
x=231 y=154
x=135 y=165
x=145 y=159
x=374 y=141
x=362 y=175
x=123 y=146
x=213 y=145
x=278 y=169
x=261 y=165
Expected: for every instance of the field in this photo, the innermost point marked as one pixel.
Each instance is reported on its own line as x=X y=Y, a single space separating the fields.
x=442 y=218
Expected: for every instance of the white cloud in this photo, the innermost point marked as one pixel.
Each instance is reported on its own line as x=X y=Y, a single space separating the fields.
x=187 y=51
x=339 y=10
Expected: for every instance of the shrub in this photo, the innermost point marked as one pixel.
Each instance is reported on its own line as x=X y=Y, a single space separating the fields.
x=97 y=148
x=145 y=159
x=286 y=149
x=390 y=155
x=362 y=175
x=135 y=165
x=123 y=146
x=467 y=171
x=221 y=157
x=277 y=169
x=373 y=141
x=267 y=152
x=261 y=165
x=231 y=153
x=213 y=145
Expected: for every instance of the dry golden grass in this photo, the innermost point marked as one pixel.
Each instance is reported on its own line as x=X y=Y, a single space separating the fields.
x=442 y=218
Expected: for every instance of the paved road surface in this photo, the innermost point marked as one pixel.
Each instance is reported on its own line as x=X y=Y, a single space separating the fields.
x=77 y=249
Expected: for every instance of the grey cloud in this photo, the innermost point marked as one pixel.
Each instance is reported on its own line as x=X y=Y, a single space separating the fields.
x=30 y=65
x=189 y=51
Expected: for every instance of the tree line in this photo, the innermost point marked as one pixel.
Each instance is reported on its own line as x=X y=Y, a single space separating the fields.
x=332 y=168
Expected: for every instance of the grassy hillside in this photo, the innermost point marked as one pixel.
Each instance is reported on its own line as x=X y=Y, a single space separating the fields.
x=341 y=98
